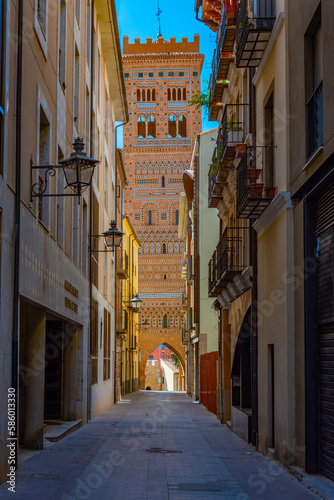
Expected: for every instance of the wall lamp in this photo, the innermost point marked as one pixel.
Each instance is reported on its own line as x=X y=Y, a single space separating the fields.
x=78 y=171
x=112 y=239
x=134 y=304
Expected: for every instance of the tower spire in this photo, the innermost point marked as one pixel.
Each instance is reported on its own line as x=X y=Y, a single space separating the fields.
x=159 y=17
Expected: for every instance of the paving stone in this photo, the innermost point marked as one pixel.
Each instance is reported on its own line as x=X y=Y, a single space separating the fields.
x=107 y=459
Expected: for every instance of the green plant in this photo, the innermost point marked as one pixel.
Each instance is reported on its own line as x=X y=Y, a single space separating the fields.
x=175 y=360
x=201 y=98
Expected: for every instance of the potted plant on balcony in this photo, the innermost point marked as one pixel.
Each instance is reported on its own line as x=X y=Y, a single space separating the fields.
x=255 y=190
x=240 y=150
x=270 y=192
x=253 y=173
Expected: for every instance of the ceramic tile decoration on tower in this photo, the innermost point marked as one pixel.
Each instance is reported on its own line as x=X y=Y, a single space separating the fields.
x=160 y=78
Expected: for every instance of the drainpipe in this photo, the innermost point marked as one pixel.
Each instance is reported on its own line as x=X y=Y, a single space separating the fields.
x=89 y=364
x=17 y=224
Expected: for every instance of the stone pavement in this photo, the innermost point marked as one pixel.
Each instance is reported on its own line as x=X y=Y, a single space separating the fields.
x=153 y=445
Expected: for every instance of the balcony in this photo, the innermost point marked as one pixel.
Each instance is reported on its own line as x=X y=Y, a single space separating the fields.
x=223 y=55
x=229 y=259
x=252 y=195
x=230 y=134
x=189 y=320
x=253 y=32
x=190 y=270
x=315 y=132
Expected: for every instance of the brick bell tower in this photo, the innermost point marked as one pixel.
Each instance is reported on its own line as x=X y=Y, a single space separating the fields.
x=160 y=78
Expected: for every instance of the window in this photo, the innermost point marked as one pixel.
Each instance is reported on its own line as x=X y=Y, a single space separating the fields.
x=163 y=181
x=314 y=87
x=172 y=126
x=182 y=126
x=269 y=141
x=176 y=217
x=77 y=10
x=62 y=44
x=141 y=127
x=84 y=237
x=60 y=203
x=75 y=230
x=164 y=248
x=106 y=345
x=98 y=84
x=88 y=32
x=76 y=103
x=87 y=116
x=42 y=14
x=106 y=116
x=165 y=323
x=2 y=85
x=94 y=335
x=138 y=95
x=150 y=217
x=95 y=255
x=43 y=159
x=106 y=183
x=184 y=97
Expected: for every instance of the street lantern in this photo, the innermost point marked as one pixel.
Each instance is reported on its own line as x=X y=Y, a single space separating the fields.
x=112 y=237
x=135 y=303
x=78 y=170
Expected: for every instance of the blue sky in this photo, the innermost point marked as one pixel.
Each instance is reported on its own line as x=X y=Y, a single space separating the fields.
x=139 y=20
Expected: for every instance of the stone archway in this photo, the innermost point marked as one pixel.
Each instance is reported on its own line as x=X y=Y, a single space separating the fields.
x=148 y=341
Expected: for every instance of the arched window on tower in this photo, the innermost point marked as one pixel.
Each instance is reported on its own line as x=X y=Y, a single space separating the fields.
x=165 y=321
x=172 y=126
x=184 y=94
x=179 y=98
x=169 y=97
x=174 y=95
x=138 y=95
x=182 y=126
x=164 y=248
x=150 y=217
x=148 y=94
x=141 y=126
x=151 y=130
x=176 y=217
x=153 y=95
x=143 y=95
x=163 y=181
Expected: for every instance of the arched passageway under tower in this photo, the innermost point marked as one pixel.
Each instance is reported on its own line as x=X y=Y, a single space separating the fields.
x=148 y=341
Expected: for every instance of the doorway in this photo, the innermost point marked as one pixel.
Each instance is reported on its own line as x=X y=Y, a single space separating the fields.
x=54 y=366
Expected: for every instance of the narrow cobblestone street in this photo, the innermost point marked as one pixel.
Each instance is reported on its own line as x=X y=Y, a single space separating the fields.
x=153 y=446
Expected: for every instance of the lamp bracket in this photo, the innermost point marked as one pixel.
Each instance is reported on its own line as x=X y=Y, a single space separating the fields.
x=91 y=247
x=50 y=171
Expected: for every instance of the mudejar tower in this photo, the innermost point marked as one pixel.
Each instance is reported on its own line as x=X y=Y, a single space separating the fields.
x=160 y=78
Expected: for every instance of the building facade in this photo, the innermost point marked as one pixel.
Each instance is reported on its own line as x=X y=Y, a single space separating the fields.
x=160 y=77
x=58 y=82
x=130 y=349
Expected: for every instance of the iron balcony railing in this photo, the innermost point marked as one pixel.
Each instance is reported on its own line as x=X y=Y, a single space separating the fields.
x=253 y=31
x=230 y=258
x=223 y=55
x=232 y=132
x=315 y=131
x=255 y=188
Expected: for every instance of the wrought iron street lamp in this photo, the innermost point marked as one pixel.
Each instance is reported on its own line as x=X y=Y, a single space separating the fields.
x=134 y=304
x=112 y=238
x=78 y=170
